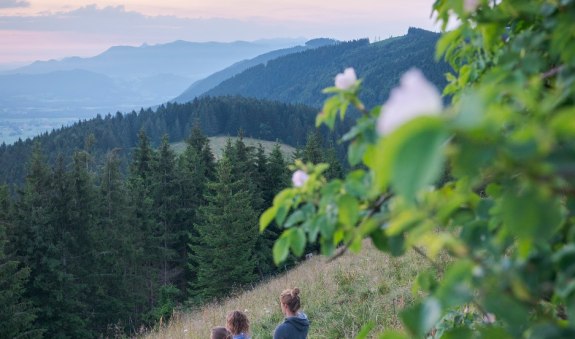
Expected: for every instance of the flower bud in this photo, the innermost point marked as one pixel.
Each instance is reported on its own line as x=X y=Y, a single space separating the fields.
x=299 y=178
x=346 y=79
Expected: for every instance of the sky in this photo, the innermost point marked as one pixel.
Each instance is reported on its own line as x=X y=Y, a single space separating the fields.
x=53 y=29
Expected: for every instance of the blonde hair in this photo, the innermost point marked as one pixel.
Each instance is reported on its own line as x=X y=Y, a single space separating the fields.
x=237 y=322
x=220 y=332
x=290 y=298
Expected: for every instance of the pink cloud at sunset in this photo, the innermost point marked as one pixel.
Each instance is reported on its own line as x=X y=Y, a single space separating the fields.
x=39 y=30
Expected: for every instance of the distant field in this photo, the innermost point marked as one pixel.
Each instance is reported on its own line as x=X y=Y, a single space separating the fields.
x=12 y=129
x=218 y=143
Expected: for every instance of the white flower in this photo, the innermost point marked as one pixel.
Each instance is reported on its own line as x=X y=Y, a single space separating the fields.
x=489 y=318
x=470 y=5
x=299 y=178
x=346 y=79
x=415 y=96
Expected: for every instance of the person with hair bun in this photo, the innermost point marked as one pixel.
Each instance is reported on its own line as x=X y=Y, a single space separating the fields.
x=296 y=324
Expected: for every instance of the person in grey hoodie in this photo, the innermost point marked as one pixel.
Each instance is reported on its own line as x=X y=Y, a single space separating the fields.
x=296 y=324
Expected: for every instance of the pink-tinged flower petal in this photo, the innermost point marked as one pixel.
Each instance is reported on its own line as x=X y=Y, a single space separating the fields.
x=346 y=79
x=414 y=97
x=299 y=178
x=489 y=318
x=470 y=5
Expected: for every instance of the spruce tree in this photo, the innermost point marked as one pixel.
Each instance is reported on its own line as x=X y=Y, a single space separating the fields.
x=43 y=239
x=17 y=314
x=115 y=250
x=196 y=167
x=165 y=196
x=142 y=226
x=227 y=232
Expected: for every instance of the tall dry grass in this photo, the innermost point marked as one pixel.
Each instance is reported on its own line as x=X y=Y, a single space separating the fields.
x=339 y=297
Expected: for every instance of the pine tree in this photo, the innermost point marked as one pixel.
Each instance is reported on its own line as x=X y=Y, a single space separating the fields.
x=196 y=167
x=115 y=253
x=165 y=195
x=17 y=314
x=335 y=169
x=42 y=239
x=313 y=150
x=227 y=230
x=142 y=226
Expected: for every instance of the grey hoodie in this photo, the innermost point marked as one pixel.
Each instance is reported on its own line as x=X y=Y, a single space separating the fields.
x=293 y=327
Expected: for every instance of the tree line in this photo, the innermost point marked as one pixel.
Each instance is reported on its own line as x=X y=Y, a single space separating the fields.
x=260 y=119
x=87 y=251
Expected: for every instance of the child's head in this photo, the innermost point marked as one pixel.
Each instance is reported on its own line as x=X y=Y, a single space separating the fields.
x=290 y=299
x=237 y=322
x=220 y=332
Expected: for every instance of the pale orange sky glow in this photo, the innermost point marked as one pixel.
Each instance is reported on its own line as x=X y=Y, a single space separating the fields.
x=43 y=29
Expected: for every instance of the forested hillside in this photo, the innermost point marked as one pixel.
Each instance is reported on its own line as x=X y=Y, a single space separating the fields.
x=300 y=77
x=259 y=119
x=88 y=251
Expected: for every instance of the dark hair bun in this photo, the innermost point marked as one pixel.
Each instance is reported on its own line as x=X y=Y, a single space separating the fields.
x=295 y=292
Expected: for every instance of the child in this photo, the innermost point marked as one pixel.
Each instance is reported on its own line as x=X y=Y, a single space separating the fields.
x=238 y=325
x=220 y=332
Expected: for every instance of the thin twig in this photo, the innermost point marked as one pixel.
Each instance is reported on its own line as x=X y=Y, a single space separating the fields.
x=420 y=252
x=343 y=249
x=553 y=71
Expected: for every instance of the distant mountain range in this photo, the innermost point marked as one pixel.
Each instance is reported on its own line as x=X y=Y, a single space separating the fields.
x=201 y=86
x=121 y=78
x=300 y=77
x=193 y=60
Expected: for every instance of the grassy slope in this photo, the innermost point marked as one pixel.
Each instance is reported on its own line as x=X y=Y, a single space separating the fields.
x=338 y=297
x=217 y=145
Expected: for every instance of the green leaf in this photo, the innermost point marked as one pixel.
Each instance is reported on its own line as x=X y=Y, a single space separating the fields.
x=379 y=240
x=402 y=222
x=356 y=184
x=394 y=245
x=447 y=39
x=297 y=242
x=420 y=318
x=455 y=288
x=531 y=214
x=329 y=112
x=425 y=282
x=564 y=123
x=495 y=333
x=458 y=333
x=284 y=197
x=312 y=227
x=348 y=208
x=281 y=249
x=418 y=158
x=365 y=330
x=281 y=214
x=393 y=334
x=355 y=152
x=507 y=309
x=295 y=218
x=470 y=157
x=267 y=217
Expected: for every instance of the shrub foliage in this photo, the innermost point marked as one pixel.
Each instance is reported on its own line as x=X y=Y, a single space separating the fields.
x=490 y=180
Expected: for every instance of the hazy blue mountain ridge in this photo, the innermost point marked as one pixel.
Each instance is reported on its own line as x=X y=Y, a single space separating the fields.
x=201 y=86
x=189 y=59
x=120 y=79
